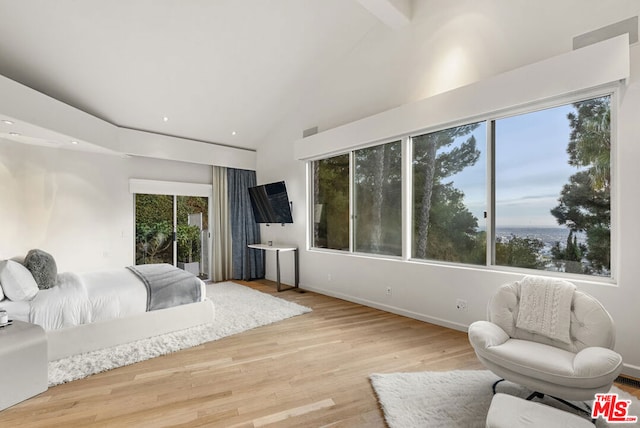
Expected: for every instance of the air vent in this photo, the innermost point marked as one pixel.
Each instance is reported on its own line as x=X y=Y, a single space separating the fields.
x=627 y=26
x=309 y=132
x=625 y=380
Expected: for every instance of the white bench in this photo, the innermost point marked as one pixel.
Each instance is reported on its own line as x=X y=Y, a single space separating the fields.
x=507 y=411
x=23 y=362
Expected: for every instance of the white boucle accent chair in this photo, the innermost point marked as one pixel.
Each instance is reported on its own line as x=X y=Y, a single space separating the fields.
x=573 y=371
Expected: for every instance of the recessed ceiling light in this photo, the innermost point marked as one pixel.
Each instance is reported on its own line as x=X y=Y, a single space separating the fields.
x=14 y=134
x=233 y=132
x=165 y=119
x=8 y=122
x=74 y=142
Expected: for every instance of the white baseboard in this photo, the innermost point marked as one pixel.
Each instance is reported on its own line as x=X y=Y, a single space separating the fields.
x=389 y=308
x=628 y=369
x=631 y=370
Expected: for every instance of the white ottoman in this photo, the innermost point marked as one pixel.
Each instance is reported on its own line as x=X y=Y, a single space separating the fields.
x=507 y=411
x=23 y=362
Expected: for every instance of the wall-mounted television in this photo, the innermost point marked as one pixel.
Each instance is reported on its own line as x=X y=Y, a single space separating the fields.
x=270 y=203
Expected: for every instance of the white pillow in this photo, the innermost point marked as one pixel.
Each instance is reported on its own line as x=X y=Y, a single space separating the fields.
x=17 y=282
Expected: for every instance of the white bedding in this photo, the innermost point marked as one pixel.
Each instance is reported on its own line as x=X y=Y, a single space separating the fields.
x=84 y=298
x=16 y=310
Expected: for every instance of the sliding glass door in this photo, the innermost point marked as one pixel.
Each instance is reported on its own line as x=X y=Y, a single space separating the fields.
x=173 y=229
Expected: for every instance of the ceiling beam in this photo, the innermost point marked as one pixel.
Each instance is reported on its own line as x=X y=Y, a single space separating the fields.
x=395 y=14
x=59 y=122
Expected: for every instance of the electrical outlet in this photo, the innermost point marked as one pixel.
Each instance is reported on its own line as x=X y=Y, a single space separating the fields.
x=461 y=304
x=329 y=277
x=388 y=291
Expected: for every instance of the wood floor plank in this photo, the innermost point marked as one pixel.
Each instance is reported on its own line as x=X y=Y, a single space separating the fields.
x=311 y=370
x=294 y=412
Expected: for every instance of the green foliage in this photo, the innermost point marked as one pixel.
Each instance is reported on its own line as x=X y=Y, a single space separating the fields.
x=331 y=197
x=581 y=207
x=186 y=205
x=519 y=251
x=188 y=243
x=152 y=209
x=585 y=202
x=599 y=245
x=453 y=232
x=590 y=139
x=570 y=257
x=153 y=241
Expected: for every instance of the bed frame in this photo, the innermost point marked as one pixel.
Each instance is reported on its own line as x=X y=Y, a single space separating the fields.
x=104 y=334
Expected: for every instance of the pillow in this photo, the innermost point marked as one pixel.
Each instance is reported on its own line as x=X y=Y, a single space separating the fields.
x=1 y=293
x=43 y=268
x=17 y=282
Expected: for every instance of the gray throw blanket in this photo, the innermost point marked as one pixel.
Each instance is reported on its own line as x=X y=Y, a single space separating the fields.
x=167 y=286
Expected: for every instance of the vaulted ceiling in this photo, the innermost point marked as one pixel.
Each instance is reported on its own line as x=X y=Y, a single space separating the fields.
x=218 y=71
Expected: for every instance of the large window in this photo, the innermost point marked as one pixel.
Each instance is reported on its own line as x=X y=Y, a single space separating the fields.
x=526 y=191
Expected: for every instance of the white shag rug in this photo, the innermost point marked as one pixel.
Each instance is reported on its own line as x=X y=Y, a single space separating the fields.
x=453 y=399
x=237 y=308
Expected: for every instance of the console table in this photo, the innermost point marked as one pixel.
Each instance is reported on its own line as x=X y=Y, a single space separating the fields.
x=278 y=249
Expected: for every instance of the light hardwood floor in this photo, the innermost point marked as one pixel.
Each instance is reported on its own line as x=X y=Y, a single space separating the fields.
x=311 y=370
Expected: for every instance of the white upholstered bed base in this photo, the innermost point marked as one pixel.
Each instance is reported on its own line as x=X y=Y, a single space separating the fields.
x=104 y=334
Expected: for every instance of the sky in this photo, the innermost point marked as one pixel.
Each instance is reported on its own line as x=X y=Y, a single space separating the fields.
x=531 y=168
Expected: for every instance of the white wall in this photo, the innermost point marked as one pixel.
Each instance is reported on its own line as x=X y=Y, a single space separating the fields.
x=76 y=205
x=450 y=44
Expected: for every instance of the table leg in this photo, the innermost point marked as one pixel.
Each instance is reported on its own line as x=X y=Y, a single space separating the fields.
x=295 y=267
x=278 y=270
x=246 y=260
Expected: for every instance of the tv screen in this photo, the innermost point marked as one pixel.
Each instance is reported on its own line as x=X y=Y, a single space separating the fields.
x=270 y=203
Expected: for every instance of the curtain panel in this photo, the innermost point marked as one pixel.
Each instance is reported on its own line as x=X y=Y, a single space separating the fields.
x=247 y=263
x=222 y=268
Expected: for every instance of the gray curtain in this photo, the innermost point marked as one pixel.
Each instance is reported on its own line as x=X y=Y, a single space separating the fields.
x=247 y=263
x=222 y=248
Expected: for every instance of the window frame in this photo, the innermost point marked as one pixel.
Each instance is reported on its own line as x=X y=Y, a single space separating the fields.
x=611 y=90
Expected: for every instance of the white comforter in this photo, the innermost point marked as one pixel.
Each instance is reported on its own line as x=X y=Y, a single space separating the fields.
x=88 y=297
x=84 y=298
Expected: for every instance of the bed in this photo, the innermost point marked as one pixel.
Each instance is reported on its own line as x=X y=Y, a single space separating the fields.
x=89 y=311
